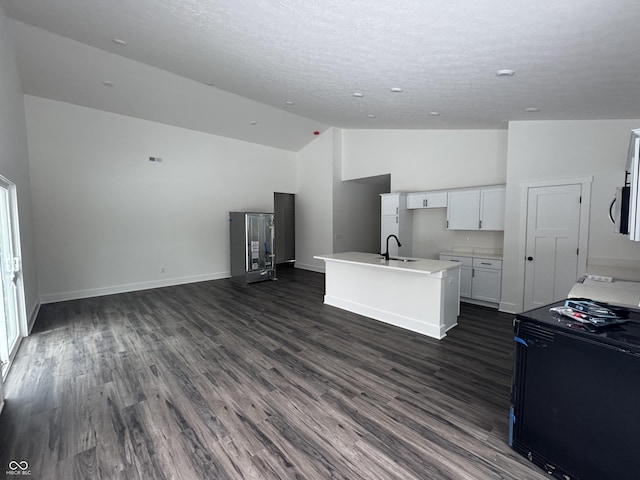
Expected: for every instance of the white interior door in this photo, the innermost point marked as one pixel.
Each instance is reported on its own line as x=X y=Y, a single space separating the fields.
x=552 y=241
x=9 y=269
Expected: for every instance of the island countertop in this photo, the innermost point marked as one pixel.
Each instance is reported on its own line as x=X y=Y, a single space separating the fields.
x=415 y=265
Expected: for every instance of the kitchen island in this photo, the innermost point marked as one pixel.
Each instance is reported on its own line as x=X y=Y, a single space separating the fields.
x=416 y=294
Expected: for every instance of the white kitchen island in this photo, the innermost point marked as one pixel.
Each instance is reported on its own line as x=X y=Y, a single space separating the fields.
x=419 y=295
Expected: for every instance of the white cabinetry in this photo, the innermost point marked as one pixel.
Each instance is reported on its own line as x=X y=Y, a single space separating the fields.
x=426 y=200
x=396 y=220
x=487 y=280
x=476 y=209
x=492 y=207
x=466 y=267
x=463 y=210
x=480 y=278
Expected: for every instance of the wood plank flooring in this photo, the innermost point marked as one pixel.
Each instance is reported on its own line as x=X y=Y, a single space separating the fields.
x=215 y=380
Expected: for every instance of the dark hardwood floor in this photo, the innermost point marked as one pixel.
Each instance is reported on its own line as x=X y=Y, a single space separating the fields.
x=214 y=380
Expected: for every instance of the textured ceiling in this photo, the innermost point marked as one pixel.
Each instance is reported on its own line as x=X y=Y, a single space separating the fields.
x=574 y=59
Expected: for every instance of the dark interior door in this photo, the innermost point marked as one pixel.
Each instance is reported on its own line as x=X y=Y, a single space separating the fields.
x=284 y=208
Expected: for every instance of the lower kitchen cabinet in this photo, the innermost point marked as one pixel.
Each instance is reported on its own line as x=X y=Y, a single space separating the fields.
x=480 y=278
x=487 y=280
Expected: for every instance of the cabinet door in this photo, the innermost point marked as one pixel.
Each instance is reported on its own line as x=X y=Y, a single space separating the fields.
x=492 y=206
x=390 y=204
x=486 y=284
x=465 y=281
x=390 y=226
x=463 y=210
x=416 y=200
x=435 y=200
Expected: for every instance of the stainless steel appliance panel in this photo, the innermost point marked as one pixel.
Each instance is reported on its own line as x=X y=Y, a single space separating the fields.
x=252 y=243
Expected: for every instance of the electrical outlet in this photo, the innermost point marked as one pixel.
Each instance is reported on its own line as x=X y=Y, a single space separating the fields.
x=468 y=239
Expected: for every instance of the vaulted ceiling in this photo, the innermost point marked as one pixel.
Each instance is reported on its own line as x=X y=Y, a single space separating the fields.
x=352 y=64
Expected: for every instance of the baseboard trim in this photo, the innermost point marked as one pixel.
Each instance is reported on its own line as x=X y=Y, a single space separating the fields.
x=412 y=324
x=507 y=307
x=312 y=268
x=130 y=287
x=31 y=319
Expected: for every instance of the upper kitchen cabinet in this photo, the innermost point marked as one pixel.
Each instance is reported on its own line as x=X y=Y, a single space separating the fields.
x=396 y=220
x=426 y=200
x=476 y=208
x=492 y=205
x=463 y=210
x=391 y=203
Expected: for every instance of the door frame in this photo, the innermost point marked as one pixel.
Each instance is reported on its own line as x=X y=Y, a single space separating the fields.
x=23 y=326
x=583 y=234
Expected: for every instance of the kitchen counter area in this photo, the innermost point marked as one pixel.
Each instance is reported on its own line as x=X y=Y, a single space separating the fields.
x=420 y=295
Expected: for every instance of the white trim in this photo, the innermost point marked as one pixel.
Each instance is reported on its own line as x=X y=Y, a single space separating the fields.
x=16 y=246
x=130 y=287
x=434 y=331
x=33 y=316
x=482 y=303
x=508 y=307
x=312 y=268
x=583 y=235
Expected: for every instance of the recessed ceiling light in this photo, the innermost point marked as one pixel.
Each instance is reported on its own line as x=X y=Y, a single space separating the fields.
x=435 y=114
x=120 y=42
x=289 y=102
x=209 y=84
x=505 y=73
x=253 y=122
x=107 y=83
x=358 y=94
x=371 y=115
x=396 y=90
x=532 y=109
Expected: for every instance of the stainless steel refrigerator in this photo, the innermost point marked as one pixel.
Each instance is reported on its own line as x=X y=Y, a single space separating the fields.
x=252 y=247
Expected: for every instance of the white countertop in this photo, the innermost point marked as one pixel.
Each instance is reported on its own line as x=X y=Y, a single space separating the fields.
x=492 y=256
x=420 y=265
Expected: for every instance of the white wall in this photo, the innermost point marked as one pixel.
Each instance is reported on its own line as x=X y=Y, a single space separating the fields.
x=546 y=150
x=431 y=237
x=108 y=220
x=431 y=160
x=426 y=159
x=14 y=160
x=356 y=208
x=314 y=202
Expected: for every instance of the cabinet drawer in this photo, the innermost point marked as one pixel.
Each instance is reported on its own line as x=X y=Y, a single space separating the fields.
x=465 y=261
x=487 y=263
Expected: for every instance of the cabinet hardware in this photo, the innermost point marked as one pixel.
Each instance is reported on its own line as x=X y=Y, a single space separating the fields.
x=480 y=224
x=426 y=202
x=397 y=210
x=473 y=272
x=396 y=219
x=484 y=263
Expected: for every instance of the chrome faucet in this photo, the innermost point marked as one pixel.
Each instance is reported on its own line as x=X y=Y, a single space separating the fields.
x=386 y=254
